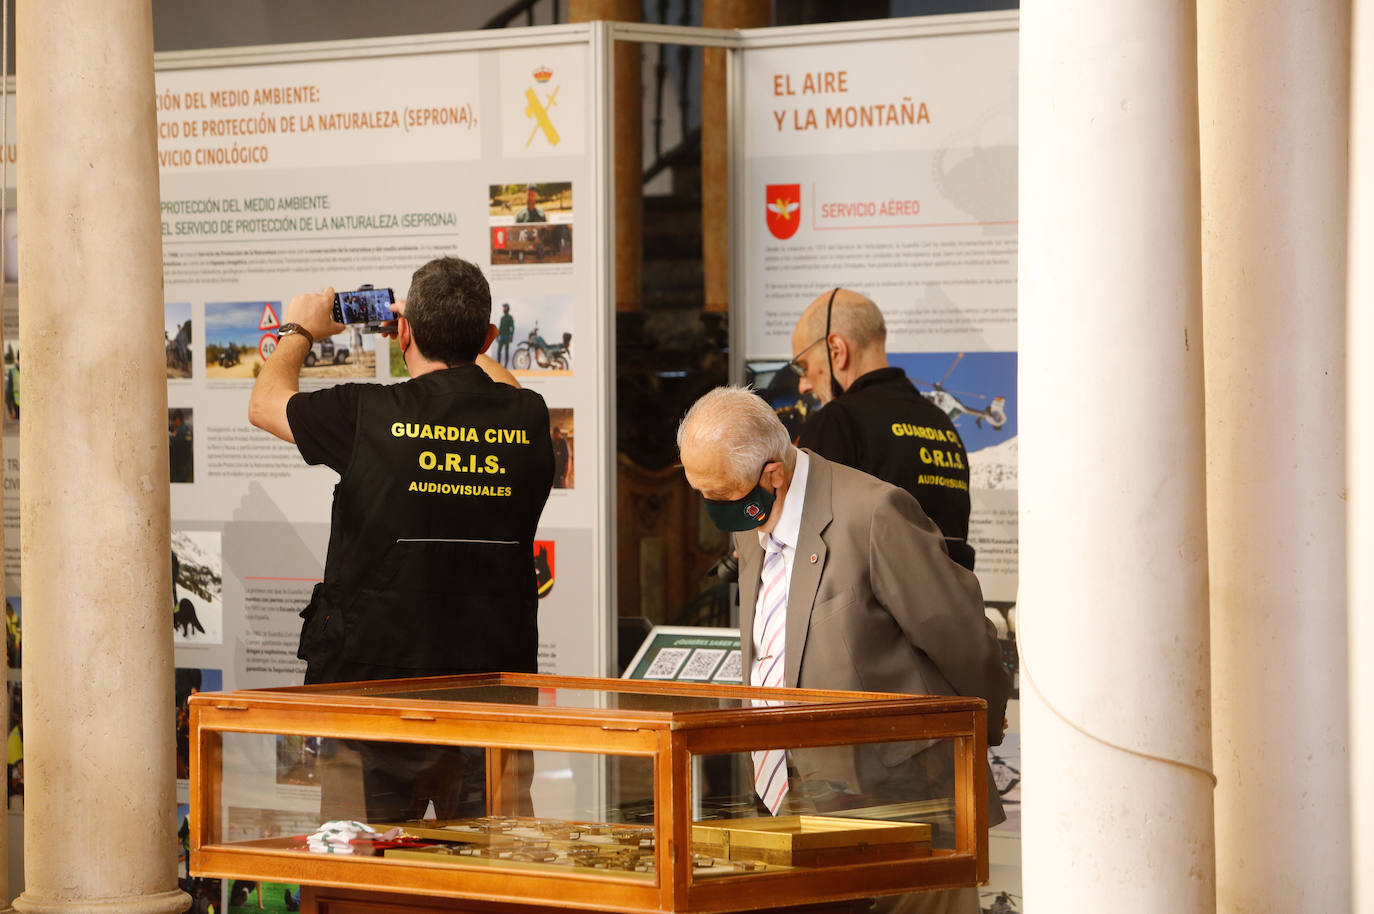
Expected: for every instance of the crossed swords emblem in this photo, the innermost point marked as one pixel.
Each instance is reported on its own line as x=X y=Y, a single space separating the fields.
x=540 y=113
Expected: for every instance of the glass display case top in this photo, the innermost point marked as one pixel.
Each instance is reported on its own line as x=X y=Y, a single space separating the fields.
x=516 y=690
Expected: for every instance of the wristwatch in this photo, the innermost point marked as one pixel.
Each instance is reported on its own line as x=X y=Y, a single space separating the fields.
x=296 y=328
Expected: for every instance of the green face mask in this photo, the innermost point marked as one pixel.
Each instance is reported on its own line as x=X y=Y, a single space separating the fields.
x=739 y=514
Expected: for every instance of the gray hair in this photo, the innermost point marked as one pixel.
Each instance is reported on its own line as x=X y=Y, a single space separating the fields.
x=742 y=425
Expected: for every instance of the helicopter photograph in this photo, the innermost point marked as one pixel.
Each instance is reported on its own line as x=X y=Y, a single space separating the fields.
x=978 y=392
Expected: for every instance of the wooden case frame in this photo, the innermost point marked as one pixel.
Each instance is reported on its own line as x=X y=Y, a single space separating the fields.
x=670 y=738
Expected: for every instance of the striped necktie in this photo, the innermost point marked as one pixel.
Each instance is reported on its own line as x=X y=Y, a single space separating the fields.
x=770 y=621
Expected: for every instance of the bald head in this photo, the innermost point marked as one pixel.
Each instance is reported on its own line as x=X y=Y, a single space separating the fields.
x=853 y=317
x=726 y=438
x=856 y=345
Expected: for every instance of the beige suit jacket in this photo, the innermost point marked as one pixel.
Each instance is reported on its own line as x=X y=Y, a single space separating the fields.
x=875 y=603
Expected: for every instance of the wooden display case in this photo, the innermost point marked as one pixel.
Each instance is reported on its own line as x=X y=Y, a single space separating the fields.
x=558 y=792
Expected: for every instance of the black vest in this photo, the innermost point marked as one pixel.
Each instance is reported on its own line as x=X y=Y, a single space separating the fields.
x=430 y=566
x=883 y=426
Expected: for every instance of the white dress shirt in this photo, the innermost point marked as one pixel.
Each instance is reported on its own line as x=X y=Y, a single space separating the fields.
x=787 y=532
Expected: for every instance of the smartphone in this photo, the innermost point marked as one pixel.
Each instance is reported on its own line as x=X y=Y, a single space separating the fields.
x=367 y=306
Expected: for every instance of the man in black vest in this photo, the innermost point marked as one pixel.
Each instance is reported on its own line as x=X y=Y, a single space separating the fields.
x=430 y=569
x=873 y=418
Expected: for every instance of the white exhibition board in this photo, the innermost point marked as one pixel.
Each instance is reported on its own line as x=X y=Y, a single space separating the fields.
x=881 y=157
x=287 y=169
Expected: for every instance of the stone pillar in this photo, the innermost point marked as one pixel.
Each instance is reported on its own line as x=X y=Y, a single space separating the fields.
x=100 y=803
x=1116 y=731
x=1360 y=459
x=4 y=301
x=715 y=145
x=1273 y=95
x=628 y=143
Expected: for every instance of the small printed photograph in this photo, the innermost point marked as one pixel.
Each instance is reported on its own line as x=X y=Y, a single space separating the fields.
x=14 y=747
x=14 y=646
x=1002 y=614
x=11 y=363
x=544 y=566
x=197 y=588
x=523 y=204
x=1002 y=894
x=246 y=897
x=179 y=446
x=533 y=334
x=238 y=337
x=176 y=338
x=11 y=245
x=1004 y=762
x=297 y=759
x=777 y=384
x=531 y=223
x=978 y=391
x=189 y=682
x=349 y=354
x=528 y=244
x=207 y=895
x=561 y=431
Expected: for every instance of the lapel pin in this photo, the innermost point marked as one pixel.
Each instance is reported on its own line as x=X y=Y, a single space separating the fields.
x=815 y=558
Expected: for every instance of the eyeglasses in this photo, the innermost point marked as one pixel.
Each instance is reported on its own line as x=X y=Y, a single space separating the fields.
x=796 y=366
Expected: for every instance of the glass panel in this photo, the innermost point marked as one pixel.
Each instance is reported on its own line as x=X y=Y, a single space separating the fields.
x=560 y=697
x=449 y=804
x=832 y=806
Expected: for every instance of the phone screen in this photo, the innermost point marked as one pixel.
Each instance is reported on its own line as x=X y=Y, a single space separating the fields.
x=365 y=306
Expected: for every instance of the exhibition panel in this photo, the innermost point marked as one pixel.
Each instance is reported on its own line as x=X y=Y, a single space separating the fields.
x=600 y=794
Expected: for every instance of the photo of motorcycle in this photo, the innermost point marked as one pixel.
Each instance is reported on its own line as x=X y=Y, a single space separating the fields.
x=535 y=351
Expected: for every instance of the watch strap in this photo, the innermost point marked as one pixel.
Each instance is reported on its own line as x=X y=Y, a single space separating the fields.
x=288 y=329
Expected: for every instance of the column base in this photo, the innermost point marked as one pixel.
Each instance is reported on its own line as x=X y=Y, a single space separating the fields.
x=173 y=902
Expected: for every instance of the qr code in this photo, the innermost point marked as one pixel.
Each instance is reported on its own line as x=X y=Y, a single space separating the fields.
x=702 y=664
x=729 y=670
x=667 y=663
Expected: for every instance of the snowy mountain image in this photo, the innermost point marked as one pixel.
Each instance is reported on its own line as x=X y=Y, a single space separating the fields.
x=994 y=467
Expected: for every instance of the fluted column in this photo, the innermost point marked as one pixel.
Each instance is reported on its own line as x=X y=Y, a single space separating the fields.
x=1116 y=737
x=1360 y=458
x=99 y=769
x=1274 y=91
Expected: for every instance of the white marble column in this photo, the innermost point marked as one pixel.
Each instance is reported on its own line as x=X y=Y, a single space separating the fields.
x=1360 y=458
x=1273 y=98
x=100 y=804
x=1116 y=744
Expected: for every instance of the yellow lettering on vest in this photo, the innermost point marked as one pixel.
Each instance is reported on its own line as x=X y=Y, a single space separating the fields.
x=453 y=462
x=398 y=429
x=925 y=455
x=428 y=460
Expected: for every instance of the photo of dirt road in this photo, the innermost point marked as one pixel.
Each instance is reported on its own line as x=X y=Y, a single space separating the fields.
x=233 y=332
x=357 y=364
x=176 y=338
x=236 y=365
x=238 y=333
